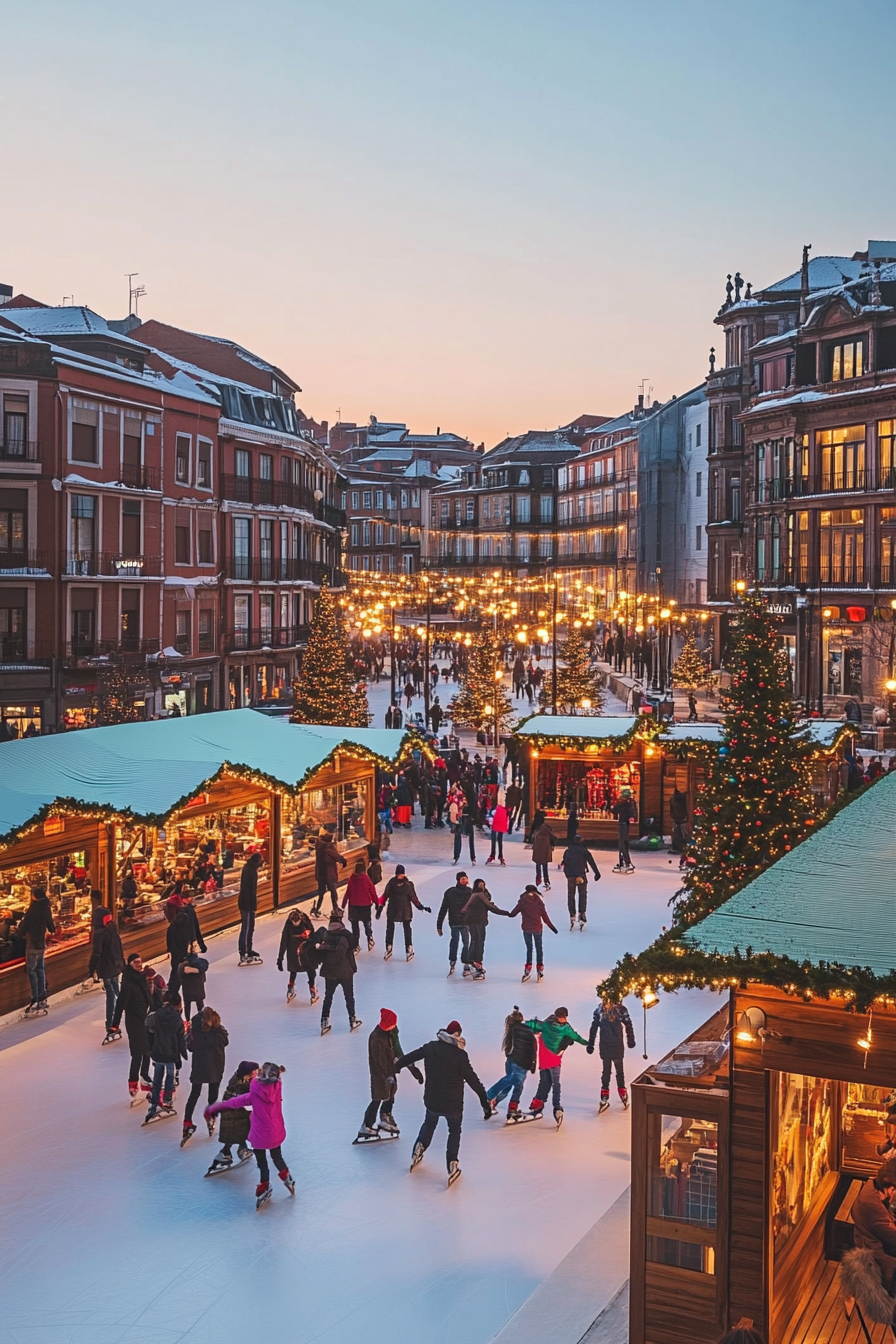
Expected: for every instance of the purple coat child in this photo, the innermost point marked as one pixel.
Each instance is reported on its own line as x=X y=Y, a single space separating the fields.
x=266 y=1129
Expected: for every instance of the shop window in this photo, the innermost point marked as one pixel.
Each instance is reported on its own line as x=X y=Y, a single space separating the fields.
x=206 y=630
x=66 y=880
x=85 y=424
x=845 y=670
x=802 y=1148
x=204 y=464
x=865 y=1127
x=683 y=1170
x=842 y=543
x=594 y=789
x=130 y=618
x=182 y=459
x=130 y=528
x=888 y=547
x=183 y=639
x=13 y=629
x=18 y=721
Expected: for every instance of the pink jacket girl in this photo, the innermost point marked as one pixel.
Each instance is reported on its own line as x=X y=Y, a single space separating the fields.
x=266 y=1130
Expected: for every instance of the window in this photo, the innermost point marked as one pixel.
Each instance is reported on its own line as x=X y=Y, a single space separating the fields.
x=242 y=547
x=404 y=499
x=183 y=639
x=367 y=499
x=181 y=538
x=13 y=628
x=470 y=510
x=841 y=454
x=774 y=374
x=266 y=616
x=847 y=360
x=377 y=534
x=206 y=553
x=265 y=467
x=698 y=431
x=206 y=629
x=242 y=619
x=283 y=568
x=760 y=551
x=266 y=547
x=698 y=482
x=886 y=456
x=523 y=477
x=13 y=515
x=842 y=546
x=366 y=531
x=204 y=464
x=356 y=499
x=546 y=510
x=243 y=462
x=85 y=422
x=182 y=459
x=522 y=508
x=356 y=534
x=379 y=499
x=83 y=627
x=84 y=511
x=698 y=538
x=285 y=470
x=734 y=511
x=888 y=547
x=415 y=499
x=130 y=528
x=15 y=426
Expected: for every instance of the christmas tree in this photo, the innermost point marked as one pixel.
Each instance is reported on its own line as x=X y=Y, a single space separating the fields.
x=577 y=679
x=757 y=801
x=690 y=668
x=474 y=704
x=117 y=689
x=325 y=690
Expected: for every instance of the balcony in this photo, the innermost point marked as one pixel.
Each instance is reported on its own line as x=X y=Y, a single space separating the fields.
x=129 y=648
x=242 y=639
x=270 y=569
x=19 y=450
x=488 y=562
x=468 y=524
x=329 y=514
x=109 y=565
x=592 y=556
x=828 y=483
x=138 y=478
x=24 y=562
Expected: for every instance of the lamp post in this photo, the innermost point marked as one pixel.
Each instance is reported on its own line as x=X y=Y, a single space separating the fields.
x=392 y=652
x=554 y=651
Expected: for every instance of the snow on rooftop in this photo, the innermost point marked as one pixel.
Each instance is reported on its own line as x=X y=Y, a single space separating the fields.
x=824 y=273
x=66 y=321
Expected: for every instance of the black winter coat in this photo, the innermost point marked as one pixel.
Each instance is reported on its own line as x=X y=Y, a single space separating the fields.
x=523 y=1047
x=207 y=1049
x=233 y=1126
x=36 y=923
x=577 y=860
x=336 y=954
x=248 y=897
x=294 y=944
x=400 y=896
x=477 y=907
x=383 y=1049
x=610 y=1024
x=452 y=906
x=165 y=1029
x=107 y=956
x=133 y=1003
x=194 y=979
x=447 y=1067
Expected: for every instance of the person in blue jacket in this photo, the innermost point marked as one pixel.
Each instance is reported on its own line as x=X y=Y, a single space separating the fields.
x=612 y=1028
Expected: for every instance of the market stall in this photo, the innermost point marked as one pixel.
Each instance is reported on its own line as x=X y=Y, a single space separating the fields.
x=178 y=801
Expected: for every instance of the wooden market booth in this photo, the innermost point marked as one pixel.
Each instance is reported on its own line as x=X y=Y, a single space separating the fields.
x=751 y=1140
x=588 y=759
x=153 y=799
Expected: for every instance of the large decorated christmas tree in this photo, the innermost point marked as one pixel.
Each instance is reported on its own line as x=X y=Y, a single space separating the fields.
x=690 y=669
x=578 y=680
x=757 y=801
x=325 y=690
x=118 y=689
x=474 y=704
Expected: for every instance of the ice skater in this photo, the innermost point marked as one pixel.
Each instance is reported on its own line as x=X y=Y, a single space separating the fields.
x=207 y=1041
x=534 y=917
x=576 y=861
x=399 y=899
x=448 y=1068
x=625 y=810
x=520 y=1054
x=191 y=974
x=297 y=947
x=476 y=912
x=360 y=897
x=555 y=1034
x=106 y=964
x=133 y=1004
x=267 y=1132
x=611 y=1022
x=452 y=908
x=247 y=903
x=383 y=1049
x=167 y=1047
x=338 y=967
x=234 y=1124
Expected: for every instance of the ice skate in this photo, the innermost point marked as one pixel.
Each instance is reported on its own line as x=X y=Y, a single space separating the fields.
x=189 y=1131
x=630 y=869
x=604 y=1103
x=36 y=1010
x=618 y=868
x=583 y=920
x=623 y=1097
x=453 y=1173
x=468 y=971
x=536 y=1106
x=366 y=1134
x=388 y=954
x=450 y=969
x=572 y=924
x=263 y=1193
x=503 y=863
x=410 y=954
x=489 y=860
x=370 y=943
x=314 y=996
x=325 y=1026
x=219 y=1164
x=388 y=1126
x=417 y=1156
x=290 y=993
x=355 y=1023
x=243 y=1154
x=558 y=1115
x=517 y=1117
x=527 y=971
x=253 y=959
x=479 y=973
x=155 y=1113
x=113 y=1034
x=210 y=1125
x=288 y=1181
x=539 y=970
x=547 y=886
x=137 y=1097
x=244 y=960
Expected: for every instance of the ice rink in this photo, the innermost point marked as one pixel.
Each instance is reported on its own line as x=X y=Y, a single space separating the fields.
x=112 y=1236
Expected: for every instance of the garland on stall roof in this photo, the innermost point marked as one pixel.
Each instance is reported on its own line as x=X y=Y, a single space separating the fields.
x=645 y=729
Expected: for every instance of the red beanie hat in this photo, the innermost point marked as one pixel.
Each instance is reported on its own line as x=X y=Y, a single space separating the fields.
x=388 y=1020
x=453 y=1029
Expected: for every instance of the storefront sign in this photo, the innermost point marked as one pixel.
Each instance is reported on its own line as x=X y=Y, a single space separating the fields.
x=88 y=689
x=54 y=825
x=856 y=614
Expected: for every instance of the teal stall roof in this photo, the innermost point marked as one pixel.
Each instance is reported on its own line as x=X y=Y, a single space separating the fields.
x=830 y=900
x=148 y=770
x=823 y=733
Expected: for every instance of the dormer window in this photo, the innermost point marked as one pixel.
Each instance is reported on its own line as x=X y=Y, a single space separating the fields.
x=847 y=360
x=524 y=476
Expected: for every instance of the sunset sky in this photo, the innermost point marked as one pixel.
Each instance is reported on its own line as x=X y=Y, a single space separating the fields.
x=484 y=215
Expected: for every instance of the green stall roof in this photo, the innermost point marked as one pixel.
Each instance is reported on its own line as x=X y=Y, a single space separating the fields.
x=147 y=770
x=616 y=727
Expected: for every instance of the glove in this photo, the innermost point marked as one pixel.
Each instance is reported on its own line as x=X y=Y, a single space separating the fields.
x=279 y=965
x=428 y=909
x=589 y=1049
x=415 y=1072
x=439 y=932
x=379 y=911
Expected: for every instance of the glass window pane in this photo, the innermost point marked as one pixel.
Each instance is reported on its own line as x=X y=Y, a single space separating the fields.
x=684 y=1171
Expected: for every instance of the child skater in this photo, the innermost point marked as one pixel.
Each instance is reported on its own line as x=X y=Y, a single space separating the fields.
x=295 y=945
x=554 y=1036
x=610 y=1022
x=520 y=1053
x=383 y=1048
x=267 y=1130
x=360 y=897
x=234 y=1127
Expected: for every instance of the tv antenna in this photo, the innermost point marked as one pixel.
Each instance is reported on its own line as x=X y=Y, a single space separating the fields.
x=68 y=300
x=135 y=293
x=646 y=390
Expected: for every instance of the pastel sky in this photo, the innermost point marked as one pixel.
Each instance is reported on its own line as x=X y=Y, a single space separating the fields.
x=487 y=215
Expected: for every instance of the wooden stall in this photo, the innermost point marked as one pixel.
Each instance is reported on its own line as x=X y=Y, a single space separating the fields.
x=751 y=1141
x=177 y=818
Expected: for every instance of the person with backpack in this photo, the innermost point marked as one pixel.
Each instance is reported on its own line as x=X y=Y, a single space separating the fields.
x=233 y=1127
x=133 y=1004
x=448 y=1068
x=360 y=897
x=247 y=904
x=610 y=1024
x=399 y=900
x=267 y=1131
x=520 y=1051
x=452 y=907
x=296 y=945
x=106 y=964
x=167 y=1047
x=554 y=1036
x=337 y=966
x=576 y=861
x=475 y=913
x=534 y=917
x=207 y=1041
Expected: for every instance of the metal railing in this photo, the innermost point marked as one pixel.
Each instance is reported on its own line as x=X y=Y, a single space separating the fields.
x=138 y=477
x=108 y=564
x=128 y=647
x=278 y=569
x=24 y=561
x=266 y=637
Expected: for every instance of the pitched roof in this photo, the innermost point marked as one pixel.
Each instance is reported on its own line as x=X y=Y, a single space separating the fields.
x=831 y=899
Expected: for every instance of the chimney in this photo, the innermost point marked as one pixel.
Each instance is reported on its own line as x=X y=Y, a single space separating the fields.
x=804 y=283
x=5 y=294
x=639 y=409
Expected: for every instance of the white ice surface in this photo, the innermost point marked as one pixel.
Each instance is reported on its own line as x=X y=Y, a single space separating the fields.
x=111 y=1235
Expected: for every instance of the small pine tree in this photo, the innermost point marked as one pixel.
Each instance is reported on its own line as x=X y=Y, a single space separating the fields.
x=577 y=679
x=474 y=704
x=757 y=801
x=690 y=669
x=325 y=690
